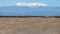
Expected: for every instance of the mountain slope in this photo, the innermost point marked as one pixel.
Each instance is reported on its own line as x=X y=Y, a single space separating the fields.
x=29 y=11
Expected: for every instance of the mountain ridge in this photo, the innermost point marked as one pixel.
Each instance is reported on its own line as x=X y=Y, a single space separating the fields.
x=33 y=11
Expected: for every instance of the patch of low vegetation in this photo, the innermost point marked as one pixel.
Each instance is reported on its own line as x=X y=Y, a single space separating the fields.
x=33 y=16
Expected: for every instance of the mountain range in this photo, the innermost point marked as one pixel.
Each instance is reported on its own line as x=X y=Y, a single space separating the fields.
x=29 y=11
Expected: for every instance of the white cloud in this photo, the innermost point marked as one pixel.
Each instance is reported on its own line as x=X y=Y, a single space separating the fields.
x=36 y=4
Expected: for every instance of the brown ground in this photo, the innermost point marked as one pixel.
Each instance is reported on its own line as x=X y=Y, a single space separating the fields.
x=33 y=25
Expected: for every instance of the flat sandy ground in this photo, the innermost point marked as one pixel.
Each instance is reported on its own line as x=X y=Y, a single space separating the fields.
x=33 y=25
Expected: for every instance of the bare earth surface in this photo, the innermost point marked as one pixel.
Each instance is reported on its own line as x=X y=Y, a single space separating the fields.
x=31 y=25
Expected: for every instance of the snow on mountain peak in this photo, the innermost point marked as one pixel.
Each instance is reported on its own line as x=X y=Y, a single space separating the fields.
x=31 y=4
x=35 y=4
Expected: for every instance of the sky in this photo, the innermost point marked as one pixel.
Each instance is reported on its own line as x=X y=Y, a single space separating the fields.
x=53 y=3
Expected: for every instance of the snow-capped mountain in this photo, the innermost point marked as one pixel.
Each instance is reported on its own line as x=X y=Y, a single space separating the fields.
x=29 y=11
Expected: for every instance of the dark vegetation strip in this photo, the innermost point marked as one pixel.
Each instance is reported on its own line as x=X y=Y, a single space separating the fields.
x=33 y=16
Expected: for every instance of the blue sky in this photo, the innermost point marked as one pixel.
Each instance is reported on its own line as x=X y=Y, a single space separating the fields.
x=54 y=3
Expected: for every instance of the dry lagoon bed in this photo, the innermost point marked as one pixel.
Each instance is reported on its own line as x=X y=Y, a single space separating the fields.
x=32 y=25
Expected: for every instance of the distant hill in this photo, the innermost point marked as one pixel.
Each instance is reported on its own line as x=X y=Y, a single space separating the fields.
x=29 y=11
